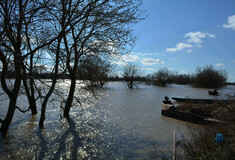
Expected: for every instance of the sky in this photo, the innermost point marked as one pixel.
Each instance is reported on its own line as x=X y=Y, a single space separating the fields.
x=182 y=35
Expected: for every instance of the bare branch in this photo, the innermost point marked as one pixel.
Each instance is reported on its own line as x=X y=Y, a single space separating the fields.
x=23 y=111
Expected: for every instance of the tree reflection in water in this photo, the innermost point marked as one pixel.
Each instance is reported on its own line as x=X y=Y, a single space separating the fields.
x=82 y=137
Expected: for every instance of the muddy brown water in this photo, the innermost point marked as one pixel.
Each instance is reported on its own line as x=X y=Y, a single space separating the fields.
x=119 y=123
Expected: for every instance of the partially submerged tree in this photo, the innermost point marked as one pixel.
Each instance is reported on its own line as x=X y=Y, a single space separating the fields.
x=18 y=28
x=67 y=30
x=104 y=30
x=208 y=77
x=161 y=77
x=95 y=69
x=130 y=75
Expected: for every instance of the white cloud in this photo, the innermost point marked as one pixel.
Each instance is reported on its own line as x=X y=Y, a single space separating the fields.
x=183 y=71
x=123 y=60
x=219 y=64
x=149 y=69
x=189 y=51
x=130 y=58
x=194 y=40
x=179 y=47
x=196 y=37
x=170 y=69
x=150 y=61
x=231 y=22
x=120 y=63
x=148 y=54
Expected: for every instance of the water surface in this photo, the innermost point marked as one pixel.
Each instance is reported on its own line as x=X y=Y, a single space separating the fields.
x=120 y=123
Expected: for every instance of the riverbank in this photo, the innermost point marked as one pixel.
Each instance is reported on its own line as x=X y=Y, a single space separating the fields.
x=202 y=143
x=216 y=110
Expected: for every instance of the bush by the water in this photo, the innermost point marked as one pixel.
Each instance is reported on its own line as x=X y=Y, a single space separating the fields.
x=208 y=77
x=202 y=144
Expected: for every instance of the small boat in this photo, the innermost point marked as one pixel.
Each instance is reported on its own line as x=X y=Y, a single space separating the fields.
x=192 y=100
x=214 y=93
x=200 y=101
x=166 y=106
x=183 y=116
x=189 y=117
x=169 y=110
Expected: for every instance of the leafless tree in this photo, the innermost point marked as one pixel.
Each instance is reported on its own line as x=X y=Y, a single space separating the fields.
x=65 y=29
x=130 y=74
x=161 y=77
x=19 y=21
x=95 y=69
x=104 y=30
x=209 y=77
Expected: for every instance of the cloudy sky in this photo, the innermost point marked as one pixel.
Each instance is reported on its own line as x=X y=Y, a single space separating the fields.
x=184 y=34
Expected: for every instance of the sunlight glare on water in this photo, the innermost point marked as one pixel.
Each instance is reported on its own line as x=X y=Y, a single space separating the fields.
x=118 y=123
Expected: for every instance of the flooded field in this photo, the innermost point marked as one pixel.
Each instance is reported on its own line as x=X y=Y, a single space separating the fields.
x=119 y=123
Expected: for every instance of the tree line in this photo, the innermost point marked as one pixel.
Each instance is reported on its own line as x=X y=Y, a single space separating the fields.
x=60 y=36
x=205 y=77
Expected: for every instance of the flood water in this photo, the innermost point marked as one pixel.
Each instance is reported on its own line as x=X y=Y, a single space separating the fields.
x=120 y=123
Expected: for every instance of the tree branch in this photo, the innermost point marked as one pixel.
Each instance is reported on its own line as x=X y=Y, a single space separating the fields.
x=3 y=75
x=23 y=111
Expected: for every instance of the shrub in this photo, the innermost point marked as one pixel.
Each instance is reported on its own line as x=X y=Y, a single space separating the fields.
x=208 y=77
x=201 y=143
x=162 y=77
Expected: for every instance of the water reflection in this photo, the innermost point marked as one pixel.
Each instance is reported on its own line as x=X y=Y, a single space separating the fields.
x=120 y=124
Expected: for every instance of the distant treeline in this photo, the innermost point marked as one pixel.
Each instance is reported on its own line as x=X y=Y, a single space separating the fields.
x=206 y=77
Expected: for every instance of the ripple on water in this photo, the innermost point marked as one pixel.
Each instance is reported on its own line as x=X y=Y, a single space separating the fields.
x=119 y=124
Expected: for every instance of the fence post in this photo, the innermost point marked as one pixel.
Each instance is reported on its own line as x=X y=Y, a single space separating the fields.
x=174 y=145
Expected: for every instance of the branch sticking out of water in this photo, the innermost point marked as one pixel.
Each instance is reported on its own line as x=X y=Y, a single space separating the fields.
x=23 y=111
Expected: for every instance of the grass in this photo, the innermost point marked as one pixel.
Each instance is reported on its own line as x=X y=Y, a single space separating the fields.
x=221 y=110
x=201 y=145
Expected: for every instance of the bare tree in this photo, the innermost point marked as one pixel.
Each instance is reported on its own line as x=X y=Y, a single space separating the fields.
x=95 y=69
x=209 y=77
x=162 y=77
x=104 y=30
x=65 y=15
x=130 y=74
x=66 y=29
x=18 y=22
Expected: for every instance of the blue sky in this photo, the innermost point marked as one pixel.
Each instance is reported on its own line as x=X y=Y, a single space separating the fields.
x=184 y=34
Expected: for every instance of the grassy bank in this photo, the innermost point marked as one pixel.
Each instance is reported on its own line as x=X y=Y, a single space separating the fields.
x=202 y=145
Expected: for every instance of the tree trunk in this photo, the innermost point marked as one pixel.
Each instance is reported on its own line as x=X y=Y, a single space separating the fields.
x=10 y=113
x=43 y=110
x=33 y=106
x=69 y=101
x=31 y=98
x=44 y=104
x=12 y=104
x=54 y=80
